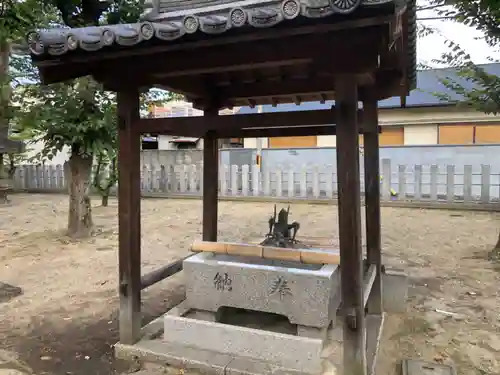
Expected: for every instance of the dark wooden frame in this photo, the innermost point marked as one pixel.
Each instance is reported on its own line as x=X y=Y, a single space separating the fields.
x=354 y=60
x=361 y=294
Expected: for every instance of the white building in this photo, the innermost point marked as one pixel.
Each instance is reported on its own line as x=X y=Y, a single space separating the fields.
x=167 y=142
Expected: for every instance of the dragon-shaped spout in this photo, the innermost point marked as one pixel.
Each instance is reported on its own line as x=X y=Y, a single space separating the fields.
x=281 y=233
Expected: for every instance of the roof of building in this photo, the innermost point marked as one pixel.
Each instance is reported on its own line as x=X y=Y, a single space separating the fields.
x=169 y=20
x=181 y=108
x=428 y=83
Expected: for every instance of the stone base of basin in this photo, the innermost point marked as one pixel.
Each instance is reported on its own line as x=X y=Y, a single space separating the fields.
x=166 y=344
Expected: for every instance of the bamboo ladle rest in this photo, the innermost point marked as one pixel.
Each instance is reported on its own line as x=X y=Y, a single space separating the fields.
x=306 y=256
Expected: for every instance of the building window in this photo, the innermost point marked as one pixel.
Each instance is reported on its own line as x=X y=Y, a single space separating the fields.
x=487 y=134
x=456 y=134
x=186 y=145
x=149 y=142
x=293 y=142
x=469 y=134
x=392 y=136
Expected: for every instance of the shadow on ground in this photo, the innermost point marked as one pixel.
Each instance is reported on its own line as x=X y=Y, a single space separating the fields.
x=7 y=292
x=83 y=347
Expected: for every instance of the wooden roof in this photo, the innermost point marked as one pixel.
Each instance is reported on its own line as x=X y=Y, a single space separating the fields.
x=243 y=52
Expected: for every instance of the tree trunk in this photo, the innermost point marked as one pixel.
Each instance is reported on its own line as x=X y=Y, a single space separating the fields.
x=497 y=246
x=104 y=200
x=12 y=167
x=3 y=186
x=79 y=168
x=495 y=253
x=5 y=89
x=4 y=101
x=2 y=167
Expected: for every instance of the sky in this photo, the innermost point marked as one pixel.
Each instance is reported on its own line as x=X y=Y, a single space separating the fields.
x=431 y=46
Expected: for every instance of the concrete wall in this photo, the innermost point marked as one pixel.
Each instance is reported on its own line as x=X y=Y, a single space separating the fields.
x=158 y=158
x=164 y=144
x=474 y=155
x=420 y=128
x=324 y=160
x=419 y=183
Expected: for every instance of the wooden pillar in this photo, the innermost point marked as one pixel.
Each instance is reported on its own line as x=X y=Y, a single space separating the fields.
x=129 y=217
x=349 y=206
x=372 y=201
x=210 y=180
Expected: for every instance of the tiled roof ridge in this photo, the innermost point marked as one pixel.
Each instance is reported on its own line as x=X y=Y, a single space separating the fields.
x=59 y=41
x=308 y=8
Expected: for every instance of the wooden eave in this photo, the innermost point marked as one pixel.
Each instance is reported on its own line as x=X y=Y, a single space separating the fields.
x=275 y=65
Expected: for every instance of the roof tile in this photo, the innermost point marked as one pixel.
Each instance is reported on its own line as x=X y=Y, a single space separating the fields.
x=212 y=18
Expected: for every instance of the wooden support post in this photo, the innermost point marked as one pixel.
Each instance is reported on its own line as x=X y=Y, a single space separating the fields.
x=372 y=202
x=349 y=206
x=210 y=180
x=129 y=217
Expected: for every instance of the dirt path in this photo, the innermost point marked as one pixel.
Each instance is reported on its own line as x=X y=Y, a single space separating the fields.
x=65 y=320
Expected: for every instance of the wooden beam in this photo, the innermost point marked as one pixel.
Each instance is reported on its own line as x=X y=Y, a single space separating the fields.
x=372 y=201
x=129 y=218
x=275 y=89
x=328 y=52
x=297 y=131
x=271 y=89
x=327 y=49
x=198 y=126
x=210 y=179
x=163 y=273
x=236 y=66
x=295 y=87
x=76 y=65
x=349 y=208
x=64 y=72
x=369 y=280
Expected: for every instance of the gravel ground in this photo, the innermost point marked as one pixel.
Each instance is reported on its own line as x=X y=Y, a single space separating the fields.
x=65 y=320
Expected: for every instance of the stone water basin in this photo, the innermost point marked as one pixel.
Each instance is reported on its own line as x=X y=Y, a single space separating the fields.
x=306 y=294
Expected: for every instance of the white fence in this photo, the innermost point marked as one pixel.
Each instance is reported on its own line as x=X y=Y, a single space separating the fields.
x=434 y=183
